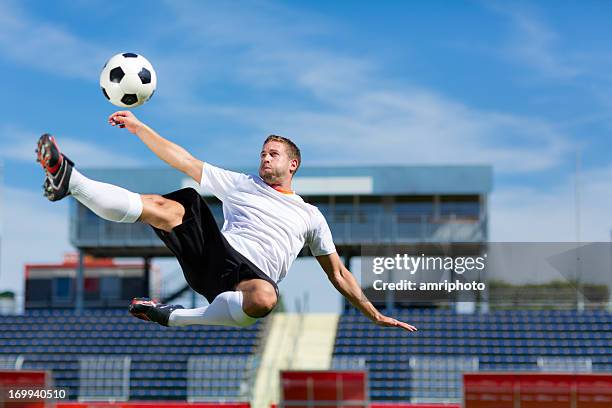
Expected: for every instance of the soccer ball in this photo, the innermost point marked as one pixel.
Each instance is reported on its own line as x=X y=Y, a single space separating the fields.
x=128 y=80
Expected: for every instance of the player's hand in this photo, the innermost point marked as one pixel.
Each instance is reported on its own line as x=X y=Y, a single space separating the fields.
x=390 y=322
x=125 y=119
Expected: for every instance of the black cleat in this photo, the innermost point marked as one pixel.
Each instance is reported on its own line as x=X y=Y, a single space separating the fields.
x=147 y=309
x=58 y=168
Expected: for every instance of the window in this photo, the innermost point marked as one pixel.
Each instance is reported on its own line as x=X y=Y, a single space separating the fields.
x=38 y=290
x=460 y=207
x=110 y=288
x=343 y=209
x=62 y=289
x=92 y=288
x=414 y=208
x=370 y=209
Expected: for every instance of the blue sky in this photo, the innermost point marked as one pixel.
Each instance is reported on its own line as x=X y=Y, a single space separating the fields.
x=519 y=85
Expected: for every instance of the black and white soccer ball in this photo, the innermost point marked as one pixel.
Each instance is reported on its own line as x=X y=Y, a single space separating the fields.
x=128 y=80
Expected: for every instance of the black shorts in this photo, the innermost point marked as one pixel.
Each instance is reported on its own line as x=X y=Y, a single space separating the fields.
x=210 y=265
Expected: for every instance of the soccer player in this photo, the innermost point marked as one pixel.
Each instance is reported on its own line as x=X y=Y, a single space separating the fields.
x=235 y=269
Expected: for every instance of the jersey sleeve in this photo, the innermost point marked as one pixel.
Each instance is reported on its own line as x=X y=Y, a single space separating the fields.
x=219 y=181
x=321 y=241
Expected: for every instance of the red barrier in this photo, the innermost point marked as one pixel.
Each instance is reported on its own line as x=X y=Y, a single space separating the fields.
x=174 y=404
x=151 y=404
x=403 y=405
x=325 y=389
x=14 y=383
x=406 y=405
x=537 y=390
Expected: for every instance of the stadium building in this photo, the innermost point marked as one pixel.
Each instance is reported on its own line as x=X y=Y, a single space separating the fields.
x=323 y=359
x=366 y=207
x=106 y=283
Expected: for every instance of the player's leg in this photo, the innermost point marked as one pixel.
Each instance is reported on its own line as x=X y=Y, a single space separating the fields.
x=161 y=212
x=225 y=310
x=108 y=201
x=117 y=204
x=252 y=299
x=259 y=297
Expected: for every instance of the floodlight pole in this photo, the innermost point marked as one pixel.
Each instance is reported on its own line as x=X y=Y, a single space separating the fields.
x=609 y=306
x=579 y=299
x=147 y=275
x=1 y=225
x=78 y=303
x=577 y=195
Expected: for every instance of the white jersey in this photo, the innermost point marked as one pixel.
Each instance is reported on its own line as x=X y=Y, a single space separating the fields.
x=266 y=226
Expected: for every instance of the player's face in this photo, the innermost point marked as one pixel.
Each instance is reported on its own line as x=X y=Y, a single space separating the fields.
x=274 y=164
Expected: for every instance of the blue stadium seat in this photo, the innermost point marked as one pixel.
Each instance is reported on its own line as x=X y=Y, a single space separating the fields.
x=54 y=339
x=502 y=340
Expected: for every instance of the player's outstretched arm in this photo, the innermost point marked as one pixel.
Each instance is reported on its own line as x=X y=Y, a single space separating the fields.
x=344 y=281
x=166 y=150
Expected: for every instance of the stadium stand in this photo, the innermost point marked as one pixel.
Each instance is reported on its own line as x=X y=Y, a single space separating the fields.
x=500 y=341
x=59 y=340
x=511 y=340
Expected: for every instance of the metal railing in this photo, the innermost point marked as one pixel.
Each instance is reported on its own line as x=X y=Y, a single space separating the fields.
x=89 y=231
x=11 y=362
x=220 y=378
x=348 y=363
x=565 y=364
x=439 y=379
x=104 y=378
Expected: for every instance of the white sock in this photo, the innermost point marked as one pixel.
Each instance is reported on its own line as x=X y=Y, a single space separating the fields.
x=107 y=201
x=225 y=310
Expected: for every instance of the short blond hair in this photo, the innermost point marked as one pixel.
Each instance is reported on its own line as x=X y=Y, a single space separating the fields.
x=292 y=149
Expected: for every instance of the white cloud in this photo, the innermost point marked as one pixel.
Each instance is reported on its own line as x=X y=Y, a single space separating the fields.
x=549 y=214
x=34 y=230
x=362 y=118
x=355 y=115
x=254 y=24
x=44 y=46
x=411 y=127
x=535 y=44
